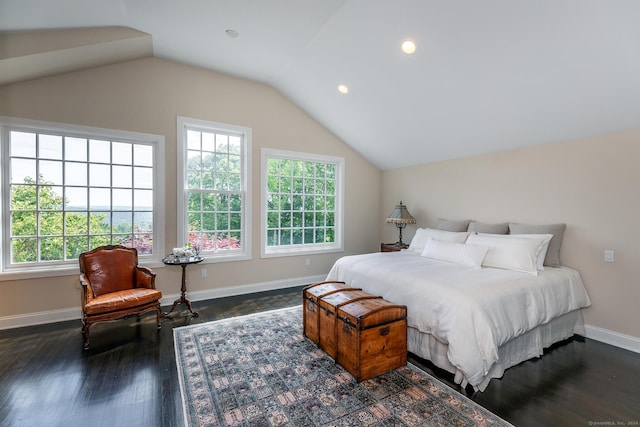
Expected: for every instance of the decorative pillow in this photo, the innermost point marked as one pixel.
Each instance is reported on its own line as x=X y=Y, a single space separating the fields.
x=457 y=253
x=508 y=252
x=456 y=226
x=423 y=234
x=481 y=227
x=542 y=253
x=552 y=259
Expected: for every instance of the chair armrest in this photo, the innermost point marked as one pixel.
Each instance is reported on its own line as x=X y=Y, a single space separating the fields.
x=145 y=277
x=86 y=293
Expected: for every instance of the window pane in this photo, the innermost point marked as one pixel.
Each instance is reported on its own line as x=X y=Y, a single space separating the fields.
x=75 y=173
x=122 y=153
x=222 y=143
x=193 y=140
x=76 y=223
x=235 y=145
x=143 y=243
x=143 y=221
x=100 y=223
x=24 y=250
x=52 y=249
x=208 y=202
x=23 y=197
x=50 y=198
x=76 y=245
x=99 y=151
x=208 y=142
x=50 y=147
x=122 y=222
x=76 y=199
x=143 y=200
x=99 y=198
x=75 y=149
x=51 y=224
x=222 y=221
x=193 y=179
x=195 y=221
x=143 y=177
x=23 y=144
x=50 y=172
x=23 y=224
x=99 y=175
x=142 y=155
x=23 y=171
x=122 y=199
x=208 y=221
x=95 y=241
x=122 y=176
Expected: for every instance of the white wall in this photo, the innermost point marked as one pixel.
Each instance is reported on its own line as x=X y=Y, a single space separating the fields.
x=147 y=95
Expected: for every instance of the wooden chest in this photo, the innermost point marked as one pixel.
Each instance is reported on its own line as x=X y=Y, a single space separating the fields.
x=328 y=305
x=371 y=337
x=310 y=297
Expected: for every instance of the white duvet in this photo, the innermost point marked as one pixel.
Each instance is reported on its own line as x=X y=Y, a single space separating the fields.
x=472 y=310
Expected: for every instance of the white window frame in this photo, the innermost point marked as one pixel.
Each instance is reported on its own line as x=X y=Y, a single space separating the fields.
x=183 y=124
x=302 y=249
x=61 y=268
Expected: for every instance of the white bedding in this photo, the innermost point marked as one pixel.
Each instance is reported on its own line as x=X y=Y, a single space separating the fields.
x=473 y=311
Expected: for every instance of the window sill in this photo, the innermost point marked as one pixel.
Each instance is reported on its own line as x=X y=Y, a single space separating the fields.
x=299 y=251
x=57 y=271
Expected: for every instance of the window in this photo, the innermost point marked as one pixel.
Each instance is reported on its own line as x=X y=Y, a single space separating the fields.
x=68 y=189
x=213 y=189
x=301 y=203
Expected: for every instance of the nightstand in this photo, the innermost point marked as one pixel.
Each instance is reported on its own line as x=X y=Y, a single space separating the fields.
x=391 y=247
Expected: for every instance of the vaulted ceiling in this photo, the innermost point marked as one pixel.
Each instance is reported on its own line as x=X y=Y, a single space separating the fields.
x=486 y=75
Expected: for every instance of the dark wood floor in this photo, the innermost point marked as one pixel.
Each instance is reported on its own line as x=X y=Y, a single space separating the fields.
x=129 y=378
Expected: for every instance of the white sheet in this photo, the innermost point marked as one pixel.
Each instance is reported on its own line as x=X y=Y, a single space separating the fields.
x=472 y=311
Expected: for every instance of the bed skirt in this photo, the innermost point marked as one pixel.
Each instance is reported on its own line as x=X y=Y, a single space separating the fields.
x=511 y=353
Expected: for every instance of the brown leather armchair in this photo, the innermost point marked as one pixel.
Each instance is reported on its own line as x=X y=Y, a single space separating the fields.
x=114 y=287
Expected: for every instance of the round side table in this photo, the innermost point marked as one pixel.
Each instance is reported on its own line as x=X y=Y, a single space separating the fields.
x=183 y=289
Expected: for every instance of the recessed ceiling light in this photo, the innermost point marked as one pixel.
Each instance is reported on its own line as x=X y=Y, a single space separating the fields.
x=408 y=47
x=232 y=33
x=343 y=89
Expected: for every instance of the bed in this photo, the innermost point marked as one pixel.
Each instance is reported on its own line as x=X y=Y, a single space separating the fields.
x=474 y=318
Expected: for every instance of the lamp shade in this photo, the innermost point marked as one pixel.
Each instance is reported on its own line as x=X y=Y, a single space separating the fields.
x=401 y=215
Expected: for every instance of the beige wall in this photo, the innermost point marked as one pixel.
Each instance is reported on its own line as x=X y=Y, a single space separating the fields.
x=146 y=96
x=590 y=184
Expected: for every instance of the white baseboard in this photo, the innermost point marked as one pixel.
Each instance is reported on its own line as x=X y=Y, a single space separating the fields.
x=40 y=318
x=616 y=339
x=43 y=317
x=244 y=289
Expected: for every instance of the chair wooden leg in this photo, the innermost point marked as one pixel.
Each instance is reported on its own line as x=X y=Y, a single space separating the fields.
x=159 y=318
x=86 y=328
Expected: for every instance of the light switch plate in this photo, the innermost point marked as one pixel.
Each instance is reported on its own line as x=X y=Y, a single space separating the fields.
x=608 y=256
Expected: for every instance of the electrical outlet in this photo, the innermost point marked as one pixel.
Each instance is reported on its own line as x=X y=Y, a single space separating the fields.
x=204 y=272
x=608 y=256
x=307 y=262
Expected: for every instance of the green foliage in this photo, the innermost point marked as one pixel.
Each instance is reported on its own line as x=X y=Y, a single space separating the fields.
x=63 y=235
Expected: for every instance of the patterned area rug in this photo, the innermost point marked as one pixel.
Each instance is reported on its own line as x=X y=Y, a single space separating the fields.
x=260 y=370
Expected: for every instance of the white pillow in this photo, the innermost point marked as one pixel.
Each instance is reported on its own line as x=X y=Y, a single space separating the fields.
x=457 y=253
x=509 y=252
x=542 y=253
x=423 y=234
